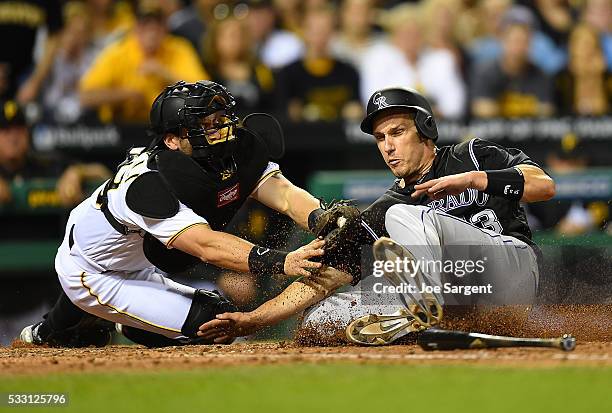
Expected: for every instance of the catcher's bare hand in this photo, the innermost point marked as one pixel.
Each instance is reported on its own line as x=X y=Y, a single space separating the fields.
x=297 y=262
x=225 y=327
x=448 y=185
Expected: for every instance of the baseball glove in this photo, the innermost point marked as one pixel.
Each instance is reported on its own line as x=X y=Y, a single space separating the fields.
x=338 y=222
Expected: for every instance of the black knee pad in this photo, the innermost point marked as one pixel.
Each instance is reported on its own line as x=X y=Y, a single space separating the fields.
x=204 y=307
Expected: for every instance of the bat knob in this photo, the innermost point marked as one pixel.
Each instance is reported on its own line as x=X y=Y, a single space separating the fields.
x=568 y=343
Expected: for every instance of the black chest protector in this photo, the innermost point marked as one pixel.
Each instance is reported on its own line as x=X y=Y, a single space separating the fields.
x=205 y=192
x=215 y=199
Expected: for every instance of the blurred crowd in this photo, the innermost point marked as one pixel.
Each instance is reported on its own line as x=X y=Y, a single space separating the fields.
x=312 y=60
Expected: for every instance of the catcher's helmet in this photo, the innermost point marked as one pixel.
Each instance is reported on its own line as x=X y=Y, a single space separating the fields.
x=409 y=99
x=183 y=106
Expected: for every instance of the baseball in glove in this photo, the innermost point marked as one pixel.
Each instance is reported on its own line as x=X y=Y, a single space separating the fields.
x=334 y=220
x=338 y=222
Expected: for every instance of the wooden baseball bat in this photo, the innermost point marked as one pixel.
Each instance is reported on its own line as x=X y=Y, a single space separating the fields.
x=438 y=339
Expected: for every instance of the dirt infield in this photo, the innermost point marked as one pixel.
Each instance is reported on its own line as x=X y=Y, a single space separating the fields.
x=591 y=325
x=22 y=359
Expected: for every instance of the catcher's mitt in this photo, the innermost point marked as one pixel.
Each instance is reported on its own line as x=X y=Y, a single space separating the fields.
x=337 y=222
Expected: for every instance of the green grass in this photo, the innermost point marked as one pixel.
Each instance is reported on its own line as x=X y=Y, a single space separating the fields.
x=330 y=388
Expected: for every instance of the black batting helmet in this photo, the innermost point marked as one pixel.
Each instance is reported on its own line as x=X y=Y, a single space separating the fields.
x=409 y=99
x=184 y=105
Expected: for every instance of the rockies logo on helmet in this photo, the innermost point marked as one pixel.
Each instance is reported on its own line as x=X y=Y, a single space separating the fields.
x=379 y=100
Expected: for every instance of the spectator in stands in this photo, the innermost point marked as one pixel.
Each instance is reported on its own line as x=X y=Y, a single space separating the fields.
x=356 y=34
x=512 y=86
x=318 y=86
x=290 y=14
x=598 y=14
x=566 y=216
x=127 y=76
x=467 y=22
x=18 y=162
x=485 y=44
x=554 y=17
x=190 y=22
x=584 y=88
x=74 y=56
x=554 y=21
x=406 y=61
x=274 y=47
x=173 y=12
x=20 y=76
x=442 y=18
x=488 y=45
x=109 y=20
x=228 y=58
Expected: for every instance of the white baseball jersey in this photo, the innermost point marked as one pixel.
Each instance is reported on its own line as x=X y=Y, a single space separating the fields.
x=98 y=247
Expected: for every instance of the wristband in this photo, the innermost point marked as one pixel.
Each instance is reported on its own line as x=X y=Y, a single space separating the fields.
x=264 y=260
x=508 y=183
x=313 y=217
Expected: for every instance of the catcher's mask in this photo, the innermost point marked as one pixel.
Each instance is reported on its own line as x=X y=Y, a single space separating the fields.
x=403 y=98
x=203 y=113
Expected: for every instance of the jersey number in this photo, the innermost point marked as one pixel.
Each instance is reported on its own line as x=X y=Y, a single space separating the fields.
x=125 y=167
x=487 y=219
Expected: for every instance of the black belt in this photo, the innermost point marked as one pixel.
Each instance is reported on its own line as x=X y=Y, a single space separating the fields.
x=102 y=201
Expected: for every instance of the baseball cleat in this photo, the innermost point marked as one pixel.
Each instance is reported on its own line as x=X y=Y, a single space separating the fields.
x=93 y=335
x=422 y=309
x=380 y=330
x=29 y=334
x=425 y=307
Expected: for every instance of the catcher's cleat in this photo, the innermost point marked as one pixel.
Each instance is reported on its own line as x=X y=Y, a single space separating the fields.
x=29 y=334
x=97 y=335
x=424 y=306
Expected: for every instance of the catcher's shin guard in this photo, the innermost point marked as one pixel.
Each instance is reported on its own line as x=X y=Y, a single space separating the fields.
x=423 y=309
x=205 y=306
x=150 y=339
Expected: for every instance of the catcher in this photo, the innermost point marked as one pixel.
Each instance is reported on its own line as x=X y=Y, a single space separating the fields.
x=163 y=211
x=443 y=200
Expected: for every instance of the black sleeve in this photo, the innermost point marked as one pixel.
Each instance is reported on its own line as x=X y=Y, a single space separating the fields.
x=54 y=16
x=493 y=156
